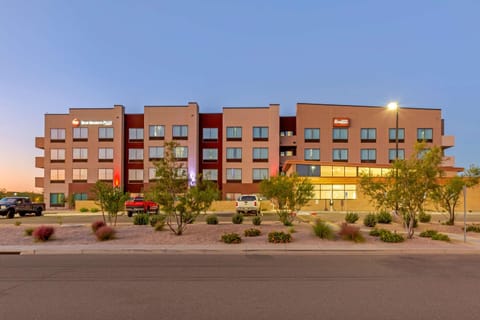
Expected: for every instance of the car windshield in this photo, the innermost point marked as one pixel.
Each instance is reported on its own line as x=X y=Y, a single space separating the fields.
x=8 y=200
x=248 y=198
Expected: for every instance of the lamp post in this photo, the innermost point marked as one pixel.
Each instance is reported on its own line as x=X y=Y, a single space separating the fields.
x=394 y=106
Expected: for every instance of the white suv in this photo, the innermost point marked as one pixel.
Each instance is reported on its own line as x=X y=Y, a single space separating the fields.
x=248 y=203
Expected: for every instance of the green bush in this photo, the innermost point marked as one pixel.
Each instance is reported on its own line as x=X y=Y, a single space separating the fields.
x=473 y=228
x=83 y=209
x=384 y=217
x=257 y=220
x=322 y=230
x=156 y=218
x=211 y=219
x=28 y=232
x=237 y=218
x=159 y=225
x=351 y=217
x=428 y=233
x=441 y=237
x=349 y=232
x=141 y=219
x=94 y=210
x=105 y=233
x=377 y=232
x=279 y=237
x=370 y=220
x=231 y=238
x=252 y=232
x=424 y=217
x=392 y=237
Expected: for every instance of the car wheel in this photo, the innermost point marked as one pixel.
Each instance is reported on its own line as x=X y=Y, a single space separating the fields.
x=10 y=214
x=129 y=214
x=38 y=212
x=22 y=214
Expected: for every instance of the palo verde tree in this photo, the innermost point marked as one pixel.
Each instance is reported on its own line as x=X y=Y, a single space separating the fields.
x=409 y=184
x=288 y=193
x=110 y=199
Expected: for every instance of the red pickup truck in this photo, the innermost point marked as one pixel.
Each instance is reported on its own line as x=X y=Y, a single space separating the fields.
x=140 y=205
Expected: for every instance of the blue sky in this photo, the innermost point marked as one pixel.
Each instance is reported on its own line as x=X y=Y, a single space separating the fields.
x=60 y=54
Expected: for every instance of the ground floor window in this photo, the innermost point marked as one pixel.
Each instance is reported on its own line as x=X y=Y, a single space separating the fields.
x=232 y=196
x=335 y=191
x=80 y=196
x=57 y=199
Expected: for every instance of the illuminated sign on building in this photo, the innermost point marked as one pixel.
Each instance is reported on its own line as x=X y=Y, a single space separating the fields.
x=76 y=122
x=341 y=122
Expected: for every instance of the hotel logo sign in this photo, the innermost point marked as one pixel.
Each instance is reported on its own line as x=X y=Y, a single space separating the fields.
x=76 y=122
x=341 y=122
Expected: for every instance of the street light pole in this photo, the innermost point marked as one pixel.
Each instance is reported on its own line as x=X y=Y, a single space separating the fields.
x=394 y=106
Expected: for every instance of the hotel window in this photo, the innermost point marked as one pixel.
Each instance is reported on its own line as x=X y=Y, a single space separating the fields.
x=156 y=132
x=57 y=135
x=135 y=134
x=57 y=175
x=181 y=173
x=57 y=155
x=401 y=135
x=259 y=174
x=105 y=175
x=286 y=133
x=368 y=155
x=210 y=155
x=57 y=199
x=210 y=174
x=80 y=196
x=80 y=134
x=368 y=134
x=80 y=175
x=260 y=154
x=312 y=154
x=210 y=134
x=340 y=155
x=260 y=133
x=425 y=134
x=312 y=134
x=105 y=134
x=180 y=132
x=105 y=154
x=305 y=170
x=80 y=154
x=181 y=153
x=155 y=153
x=392 y=154
x=234 y=133
x=340 y=135
x=234 y=154
x=234 y=175
x=135 y=155
x=152 y=174
x=135 y=175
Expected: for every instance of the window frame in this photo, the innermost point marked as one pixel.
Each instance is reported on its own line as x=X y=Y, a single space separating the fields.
x=310 y=136
x=153 y=129
x=368 y=153
x=340 y=151
x=260 y=133
x=260 y=157
x=367 y=136
x=338 y=136
x=232 y=133
x=311 y=150
x=182 y=134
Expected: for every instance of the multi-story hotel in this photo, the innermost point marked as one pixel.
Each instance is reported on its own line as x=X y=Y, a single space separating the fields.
x=331 y=144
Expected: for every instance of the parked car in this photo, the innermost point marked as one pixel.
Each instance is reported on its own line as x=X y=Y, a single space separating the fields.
x=248 y=203
x=140 y=205
x=21 y=205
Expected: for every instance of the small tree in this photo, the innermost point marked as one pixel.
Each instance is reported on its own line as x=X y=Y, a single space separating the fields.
x=200 y=197
x=110 y=199
x=288 y=193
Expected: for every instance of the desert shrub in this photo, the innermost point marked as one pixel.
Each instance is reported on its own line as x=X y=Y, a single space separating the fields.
x=407 y=220
x=97 y=225
x=424 y=217
x=351 y=217
x=159 y=225
x=349 y=232
x=189 y=217
x=473 y=228
x=428 y=233
x=257 y=220
x=28 y=232
x=370 y=220
x=83 y=209
x=94 y=210
x=17 y=223
x=279 y=237
x=322 y=230
x=156 y=218
x=252 y=232
x=376 y=232
x=384 y=217
x=231 y=238
x=392 y=237
x=141 y=219
x=43 y=233
x=211 y=219
x=441 y=237
x=237 y=218
x=105 y=233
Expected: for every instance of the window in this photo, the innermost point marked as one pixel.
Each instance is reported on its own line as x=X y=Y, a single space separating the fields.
x=260 y=154
x=152 y=174
x=155 y=153
x=105 y=175
x=135 y=155
x=260 y=174
x=305 y=170
x=80 y=154
x=210 y=155
x=80 y=196
x=210 y=134
x=392 y=154
x=340 y=135
x=57 y=135
x=181 y=173
x=312 y=134
x=57 y=175
x=105 y=134
x=340 y=155
x=57 y=155
x=80 y=175
x=135 y=175
x=312 y=154
x=287 y=153
x=234 y=154
x=57 y=199
x=234 y=175
x=425 y=134
x=135 y=134
x=286 y=133
x=180 y=132
x=234 y=133
x=368 y=155
x=105 y=154
x=181 y=153
x=80 y=134
x=401 y=135
x=260 y=133
x=210 y=174
x=156 y=132
x=368 y=134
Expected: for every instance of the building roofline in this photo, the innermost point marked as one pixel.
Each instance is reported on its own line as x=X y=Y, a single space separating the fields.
x=362 y=106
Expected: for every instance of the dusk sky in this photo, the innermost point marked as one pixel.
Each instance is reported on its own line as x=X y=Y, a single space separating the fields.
x=60 y=54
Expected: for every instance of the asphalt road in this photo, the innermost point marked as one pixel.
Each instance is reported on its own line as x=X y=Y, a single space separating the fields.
x=239 y=287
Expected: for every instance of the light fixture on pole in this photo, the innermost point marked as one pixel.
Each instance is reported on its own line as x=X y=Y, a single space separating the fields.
x=394 y=106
